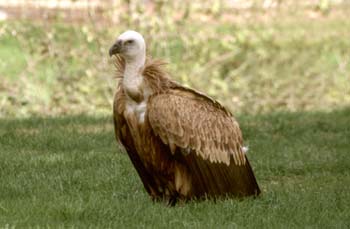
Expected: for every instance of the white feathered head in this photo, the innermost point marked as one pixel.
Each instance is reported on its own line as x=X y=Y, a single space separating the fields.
x=129 y=45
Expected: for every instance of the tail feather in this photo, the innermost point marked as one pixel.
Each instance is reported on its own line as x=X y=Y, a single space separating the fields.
x=218 y=179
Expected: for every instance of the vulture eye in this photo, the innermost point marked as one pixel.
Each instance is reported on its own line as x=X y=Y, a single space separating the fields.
x=128 y=42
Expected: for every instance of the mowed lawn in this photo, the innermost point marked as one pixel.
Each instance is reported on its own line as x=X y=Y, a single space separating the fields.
x=69 y=172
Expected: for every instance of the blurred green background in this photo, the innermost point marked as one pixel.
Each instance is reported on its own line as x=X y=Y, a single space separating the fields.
x=254 y=56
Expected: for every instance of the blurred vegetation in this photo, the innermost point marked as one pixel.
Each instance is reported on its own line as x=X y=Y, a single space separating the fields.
x=254 y=60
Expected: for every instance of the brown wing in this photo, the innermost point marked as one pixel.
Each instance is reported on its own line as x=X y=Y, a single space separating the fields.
x=203 y=132
x=195 y=123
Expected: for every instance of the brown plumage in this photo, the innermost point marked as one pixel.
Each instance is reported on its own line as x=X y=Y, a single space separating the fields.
x=183 y=144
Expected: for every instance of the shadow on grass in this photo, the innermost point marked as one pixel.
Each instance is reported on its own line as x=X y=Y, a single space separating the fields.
x=283 y=143
x=80 y=133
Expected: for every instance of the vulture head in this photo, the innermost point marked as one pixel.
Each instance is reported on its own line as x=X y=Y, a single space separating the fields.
x=129 y=45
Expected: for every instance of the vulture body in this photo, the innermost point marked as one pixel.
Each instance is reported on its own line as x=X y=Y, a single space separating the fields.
x=183 y=144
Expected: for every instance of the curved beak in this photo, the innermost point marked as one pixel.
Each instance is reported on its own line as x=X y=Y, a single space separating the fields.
x=116 y=48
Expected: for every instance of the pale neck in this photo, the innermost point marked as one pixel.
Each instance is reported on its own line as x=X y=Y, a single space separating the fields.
x=133 y=66
x=133 y=72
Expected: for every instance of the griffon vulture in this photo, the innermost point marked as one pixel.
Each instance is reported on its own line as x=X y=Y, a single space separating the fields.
x=183 y=144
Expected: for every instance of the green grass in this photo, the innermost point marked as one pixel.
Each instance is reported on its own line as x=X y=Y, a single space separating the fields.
x=63 y=172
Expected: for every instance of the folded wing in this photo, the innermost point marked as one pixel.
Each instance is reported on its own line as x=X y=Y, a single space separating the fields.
x=196 y=123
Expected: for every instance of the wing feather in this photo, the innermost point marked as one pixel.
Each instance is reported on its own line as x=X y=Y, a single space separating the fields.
x=192 y=121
